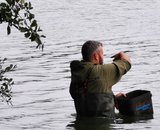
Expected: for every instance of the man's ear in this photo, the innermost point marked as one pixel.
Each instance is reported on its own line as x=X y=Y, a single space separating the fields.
x=96 y=56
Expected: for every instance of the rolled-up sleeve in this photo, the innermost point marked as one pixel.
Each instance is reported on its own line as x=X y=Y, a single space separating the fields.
x=123 y=66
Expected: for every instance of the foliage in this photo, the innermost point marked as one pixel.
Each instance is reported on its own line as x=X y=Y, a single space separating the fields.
x=17 y=14
x=5 y=88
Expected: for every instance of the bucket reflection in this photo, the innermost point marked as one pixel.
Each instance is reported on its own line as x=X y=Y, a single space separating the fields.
x=134 y=119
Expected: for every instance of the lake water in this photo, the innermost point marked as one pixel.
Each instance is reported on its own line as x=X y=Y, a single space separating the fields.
x=41 y=99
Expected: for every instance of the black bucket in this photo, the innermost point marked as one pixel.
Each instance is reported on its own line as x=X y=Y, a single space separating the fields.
x=137 y=102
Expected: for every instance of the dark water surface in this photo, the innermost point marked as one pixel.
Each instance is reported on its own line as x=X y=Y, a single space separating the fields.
x=40 y=94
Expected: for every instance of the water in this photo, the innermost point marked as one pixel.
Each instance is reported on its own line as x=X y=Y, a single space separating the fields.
x=40 y=94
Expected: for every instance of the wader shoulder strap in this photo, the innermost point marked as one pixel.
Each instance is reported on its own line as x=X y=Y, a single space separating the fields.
x=86 y=80
x=81 y=87
x=81 y=95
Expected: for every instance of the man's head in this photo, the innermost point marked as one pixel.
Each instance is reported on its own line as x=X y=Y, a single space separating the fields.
x=92 y=51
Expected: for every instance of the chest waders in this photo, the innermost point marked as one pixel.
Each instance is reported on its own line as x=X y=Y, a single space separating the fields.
x=98 y=104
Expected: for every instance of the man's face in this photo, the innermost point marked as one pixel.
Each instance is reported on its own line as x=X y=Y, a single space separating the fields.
x=101 y=56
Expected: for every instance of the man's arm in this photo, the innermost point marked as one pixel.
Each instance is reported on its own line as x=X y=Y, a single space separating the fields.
x=121 y=56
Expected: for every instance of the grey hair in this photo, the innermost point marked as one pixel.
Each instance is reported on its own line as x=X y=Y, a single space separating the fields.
x=89 y=48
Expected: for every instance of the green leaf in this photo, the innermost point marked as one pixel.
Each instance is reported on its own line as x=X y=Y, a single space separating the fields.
x=25 y=14
x=23 y=29
x=15 y=22
x=6 y=86
x=43 y=36
x=30 y=6
x=34 y=23
x=7 y=69
x=20 y=20
x=26 y=4
x=8 y=30
x=4 y=59
x=11 y=65
x=32 y=37
x=9 y=2
x=38 y=40
x=10 y=80
x=13 y=2
x=31 y=16
x=27 y=35
x=7 y=17
x=3 y=4
x=21 y=6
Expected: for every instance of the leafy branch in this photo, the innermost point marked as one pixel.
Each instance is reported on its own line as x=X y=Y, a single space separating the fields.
x=17 y=13
x=5 y=86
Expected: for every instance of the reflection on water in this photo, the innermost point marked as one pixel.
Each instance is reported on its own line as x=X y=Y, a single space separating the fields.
x=106 y=124
x=91 y=124
x=133 y=119
x=41 y=97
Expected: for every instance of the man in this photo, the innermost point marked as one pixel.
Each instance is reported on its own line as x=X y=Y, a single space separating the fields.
x=91 y=81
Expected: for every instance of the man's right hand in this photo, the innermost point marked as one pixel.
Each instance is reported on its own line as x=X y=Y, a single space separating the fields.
x=121 y=56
